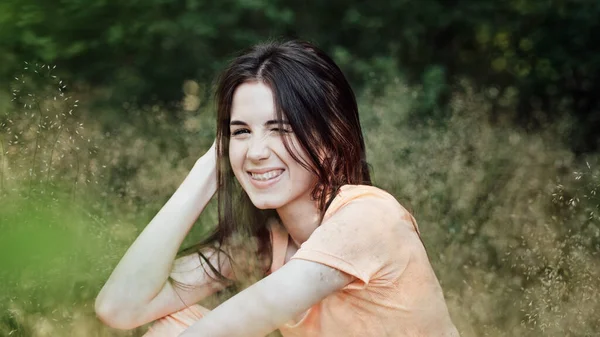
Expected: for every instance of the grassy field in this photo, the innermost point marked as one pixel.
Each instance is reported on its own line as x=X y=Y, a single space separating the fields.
x=510 y=218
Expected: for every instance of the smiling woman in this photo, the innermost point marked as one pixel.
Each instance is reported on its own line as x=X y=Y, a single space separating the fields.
x=265 y=169
x=328 y=254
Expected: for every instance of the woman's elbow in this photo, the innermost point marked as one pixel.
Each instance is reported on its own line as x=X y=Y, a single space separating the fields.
x=113 y=315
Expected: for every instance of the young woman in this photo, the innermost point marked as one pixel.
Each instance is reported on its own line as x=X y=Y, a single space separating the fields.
x=334 y=255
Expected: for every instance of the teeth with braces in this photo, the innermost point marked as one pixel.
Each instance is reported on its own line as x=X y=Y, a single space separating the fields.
x=266 y=175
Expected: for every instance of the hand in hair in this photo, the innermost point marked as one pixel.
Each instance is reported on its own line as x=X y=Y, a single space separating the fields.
x=140 y=289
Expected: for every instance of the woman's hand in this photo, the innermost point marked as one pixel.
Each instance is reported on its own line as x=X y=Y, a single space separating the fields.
x=139 y=291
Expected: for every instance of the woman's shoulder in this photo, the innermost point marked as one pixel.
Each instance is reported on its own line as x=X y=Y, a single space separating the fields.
x=364 y=195
x=364 y=201
x=363 y=190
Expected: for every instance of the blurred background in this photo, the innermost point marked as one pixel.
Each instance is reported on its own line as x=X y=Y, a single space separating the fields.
x=481 y=117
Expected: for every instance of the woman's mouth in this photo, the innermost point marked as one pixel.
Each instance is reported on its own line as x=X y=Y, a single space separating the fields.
x=266 y=175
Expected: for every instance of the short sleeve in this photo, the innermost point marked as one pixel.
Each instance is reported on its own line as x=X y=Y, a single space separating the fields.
x=367 y=237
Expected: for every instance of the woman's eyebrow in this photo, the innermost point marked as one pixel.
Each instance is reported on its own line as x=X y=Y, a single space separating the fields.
x=271 y=122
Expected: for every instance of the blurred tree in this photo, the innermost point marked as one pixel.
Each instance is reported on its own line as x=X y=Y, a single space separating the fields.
x=142 y=51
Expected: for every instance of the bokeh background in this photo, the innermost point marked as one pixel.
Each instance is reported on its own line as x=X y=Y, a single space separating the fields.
x=481 y=117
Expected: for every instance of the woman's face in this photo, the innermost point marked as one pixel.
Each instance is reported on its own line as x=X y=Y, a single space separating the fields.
x=262 y=165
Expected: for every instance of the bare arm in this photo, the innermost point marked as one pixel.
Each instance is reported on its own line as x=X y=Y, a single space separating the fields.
x=271 y=302
x=138 y=290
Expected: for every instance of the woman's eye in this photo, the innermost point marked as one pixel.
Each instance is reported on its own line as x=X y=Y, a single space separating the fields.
x=239 y=132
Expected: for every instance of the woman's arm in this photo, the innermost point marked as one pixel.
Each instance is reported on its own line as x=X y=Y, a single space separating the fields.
x=138 y=290
x=271 y=302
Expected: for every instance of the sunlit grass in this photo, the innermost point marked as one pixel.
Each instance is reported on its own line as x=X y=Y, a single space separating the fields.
x=510 y=219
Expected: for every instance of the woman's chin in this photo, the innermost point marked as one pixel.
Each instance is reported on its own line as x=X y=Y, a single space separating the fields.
x=265 y=205
x=265 y=202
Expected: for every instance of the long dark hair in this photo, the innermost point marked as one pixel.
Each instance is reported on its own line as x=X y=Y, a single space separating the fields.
x=316 y=99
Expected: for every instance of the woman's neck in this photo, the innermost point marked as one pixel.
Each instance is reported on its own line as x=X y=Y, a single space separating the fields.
x=300 y=218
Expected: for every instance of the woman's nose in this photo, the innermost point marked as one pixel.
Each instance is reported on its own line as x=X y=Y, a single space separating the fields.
x=258 y=149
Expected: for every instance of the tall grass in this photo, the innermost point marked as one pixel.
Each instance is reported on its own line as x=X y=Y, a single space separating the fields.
x=510 y=219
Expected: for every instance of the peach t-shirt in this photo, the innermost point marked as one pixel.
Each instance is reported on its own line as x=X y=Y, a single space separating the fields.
x=365 y=233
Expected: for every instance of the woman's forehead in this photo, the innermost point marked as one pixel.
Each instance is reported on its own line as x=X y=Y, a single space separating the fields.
x=253 y=102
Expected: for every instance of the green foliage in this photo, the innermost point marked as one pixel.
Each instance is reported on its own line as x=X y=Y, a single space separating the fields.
x=54 y=256
x=142 y=51
x=44 y=238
